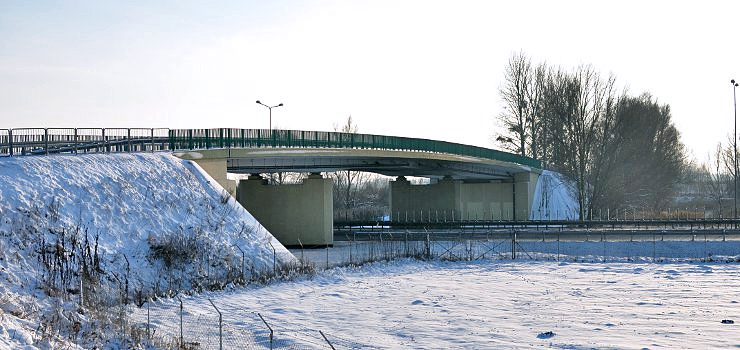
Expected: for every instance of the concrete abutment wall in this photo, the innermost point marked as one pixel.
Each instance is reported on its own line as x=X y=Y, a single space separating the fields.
x=217 y=169
x=455 y=199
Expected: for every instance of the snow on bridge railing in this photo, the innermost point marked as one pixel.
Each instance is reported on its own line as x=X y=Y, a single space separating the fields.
x=190 y=139
x=33 y=141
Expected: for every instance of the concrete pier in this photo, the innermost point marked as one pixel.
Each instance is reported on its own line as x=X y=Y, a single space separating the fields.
x=450 y=199
x=296 y=214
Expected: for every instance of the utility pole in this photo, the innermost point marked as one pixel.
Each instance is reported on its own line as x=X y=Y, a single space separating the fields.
x=734 y=145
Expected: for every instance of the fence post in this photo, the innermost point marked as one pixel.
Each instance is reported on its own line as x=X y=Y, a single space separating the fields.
x=220 y=327
x=327 y=340
x=274 y=265
x=46 y=141
x=268 y=327
x=406 y=243
x=429 y=248
x=240 y=249
x=148 y=320
x=350 y=249
x=181 y=343
x=301 y=244
x=128 y=140
x=75 y=141
x=10 y=141
x=105 y=142
x=152 y=140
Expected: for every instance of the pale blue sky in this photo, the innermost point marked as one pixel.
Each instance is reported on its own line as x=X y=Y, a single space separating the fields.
x=411 y=68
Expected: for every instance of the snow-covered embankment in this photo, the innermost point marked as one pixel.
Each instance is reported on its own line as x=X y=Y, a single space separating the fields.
x=129 y=223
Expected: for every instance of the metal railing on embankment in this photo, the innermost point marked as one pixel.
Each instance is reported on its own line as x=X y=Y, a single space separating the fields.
x=44 y=141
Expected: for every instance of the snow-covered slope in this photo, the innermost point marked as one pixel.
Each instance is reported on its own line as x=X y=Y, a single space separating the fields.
x=554 y=198
x=153 y=221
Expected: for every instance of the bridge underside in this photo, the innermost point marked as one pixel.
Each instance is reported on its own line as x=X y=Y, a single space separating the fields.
x=390 y=163
x=435 y=169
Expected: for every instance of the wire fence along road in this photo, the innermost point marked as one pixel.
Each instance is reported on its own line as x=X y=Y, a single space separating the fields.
x=693 y=218
x=361 y=246
x=34 y=141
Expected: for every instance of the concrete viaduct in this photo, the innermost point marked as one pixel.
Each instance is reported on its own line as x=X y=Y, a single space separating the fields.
x=465 y=180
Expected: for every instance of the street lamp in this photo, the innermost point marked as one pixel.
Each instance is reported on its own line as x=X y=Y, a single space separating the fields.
x=734 y=98
x=270 y=108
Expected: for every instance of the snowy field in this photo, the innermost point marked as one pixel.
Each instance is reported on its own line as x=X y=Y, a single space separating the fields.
x=479 y=305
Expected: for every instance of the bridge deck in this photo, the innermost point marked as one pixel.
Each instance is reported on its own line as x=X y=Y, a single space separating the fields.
x=31 y=141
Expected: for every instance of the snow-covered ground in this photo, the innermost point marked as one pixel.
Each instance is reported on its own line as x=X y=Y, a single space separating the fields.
x=480 y=305
x=139 y=222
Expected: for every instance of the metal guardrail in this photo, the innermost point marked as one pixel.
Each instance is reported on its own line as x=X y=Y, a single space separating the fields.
x=35 y=141
x=697 y=223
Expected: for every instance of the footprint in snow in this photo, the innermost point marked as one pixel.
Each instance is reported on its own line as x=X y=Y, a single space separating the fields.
x=417 y=302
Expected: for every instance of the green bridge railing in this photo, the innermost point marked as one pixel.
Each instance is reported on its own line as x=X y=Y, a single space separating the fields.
x=191 y=139
x=40 y=141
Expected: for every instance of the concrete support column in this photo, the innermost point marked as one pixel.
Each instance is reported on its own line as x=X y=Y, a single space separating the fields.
x=525 y=185
x=295 y=214
x=419 y=202
x=491 y=200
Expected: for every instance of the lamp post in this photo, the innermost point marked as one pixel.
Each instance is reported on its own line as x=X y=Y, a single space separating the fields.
x=270 y=108
x=734 y=144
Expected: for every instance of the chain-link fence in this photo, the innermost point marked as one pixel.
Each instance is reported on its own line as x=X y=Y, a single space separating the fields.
x=189 y=326
x=628 y=245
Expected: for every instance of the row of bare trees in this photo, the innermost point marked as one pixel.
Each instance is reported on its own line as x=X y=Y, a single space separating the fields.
x=711 y=183
x=358 y=189
x=620 y=151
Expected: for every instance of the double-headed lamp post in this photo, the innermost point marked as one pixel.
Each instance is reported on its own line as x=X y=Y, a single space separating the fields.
x=734 y=143
x=270 y=108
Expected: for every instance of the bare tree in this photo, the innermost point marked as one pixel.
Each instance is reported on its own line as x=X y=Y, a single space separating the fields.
x=728 y=160
x=585 y=101
x=516 y=104
x=346 y=182
x=535 y=93
x=285 y=178
x=717 y=176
